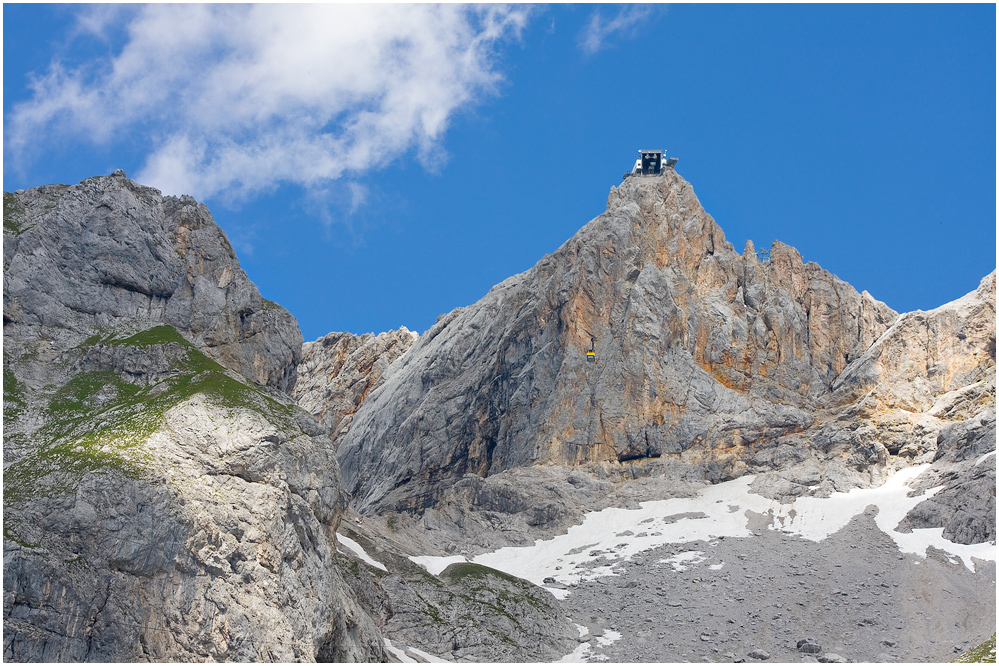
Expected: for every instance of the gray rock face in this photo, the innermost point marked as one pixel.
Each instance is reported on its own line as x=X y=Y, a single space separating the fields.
x=161 y=506
x=966 y=507
x=706 y=365
x=702 y=355
x=110 y=254
x=209 y=542
x=925 y=355
x=339 y=370
x=471 y=613
x=158 y=506
x=809 y=646
x=928 y=395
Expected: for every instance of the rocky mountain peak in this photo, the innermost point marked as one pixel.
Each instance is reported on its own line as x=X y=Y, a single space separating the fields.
x=163 y=499
x=702 y=360
x=110 y=254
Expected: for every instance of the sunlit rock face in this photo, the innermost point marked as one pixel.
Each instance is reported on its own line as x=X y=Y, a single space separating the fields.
x=163 y=499
x=339 y=370
x=704 y=360
x=926 y=391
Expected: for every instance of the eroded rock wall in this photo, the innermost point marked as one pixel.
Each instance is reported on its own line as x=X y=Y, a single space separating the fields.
x=339 y=370
x=212 y=543
x=163 y=499
x=109 y=254
x=700 y=353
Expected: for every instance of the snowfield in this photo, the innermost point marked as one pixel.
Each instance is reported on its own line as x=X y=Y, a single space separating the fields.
x=604 y=538
x=357 y=551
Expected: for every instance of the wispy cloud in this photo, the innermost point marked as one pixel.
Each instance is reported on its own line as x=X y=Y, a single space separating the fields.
x=599 y=32
x=235 y=99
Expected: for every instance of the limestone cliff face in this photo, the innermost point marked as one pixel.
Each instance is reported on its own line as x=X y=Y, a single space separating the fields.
x=210 y=540
x=163 y=500
x=926 y=392
x=928 y=354
x=701 y=355
x=110 y=254
x=339 y=370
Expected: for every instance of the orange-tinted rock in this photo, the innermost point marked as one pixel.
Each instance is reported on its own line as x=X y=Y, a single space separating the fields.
x=693 y=342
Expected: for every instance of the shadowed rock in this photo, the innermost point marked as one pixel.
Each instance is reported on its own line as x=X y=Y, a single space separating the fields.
x=109 y=254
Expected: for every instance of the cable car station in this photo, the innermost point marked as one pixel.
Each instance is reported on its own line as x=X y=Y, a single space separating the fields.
x=650 y=163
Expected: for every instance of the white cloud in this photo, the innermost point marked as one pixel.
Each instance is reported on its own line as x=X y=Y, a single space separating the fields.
x=598 y=31
x=234 y=99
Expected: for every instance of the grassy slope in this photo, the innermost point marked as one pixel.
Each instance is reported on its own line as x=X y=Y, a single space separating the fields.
x=99 y=421
x=983 y=654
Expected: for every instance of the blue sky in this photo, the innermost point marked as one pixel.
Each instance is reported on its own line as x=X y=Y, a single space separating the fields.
x=376 y=166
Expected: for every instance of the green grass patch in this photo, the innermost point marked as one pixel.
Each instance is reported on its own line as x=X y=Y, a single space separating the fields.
x=13 y=214
x=982 y=654
x=463 y=571
x=477 y=578
x=83 y=395
x=158 y=335
x=10 y=524
x=78 y=443
x=13 y=395
x=271 y=305
x=98 y=421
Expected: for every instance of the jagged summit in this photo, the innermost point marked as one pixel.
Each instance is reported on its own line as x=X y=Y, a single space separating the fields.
x=703 y=356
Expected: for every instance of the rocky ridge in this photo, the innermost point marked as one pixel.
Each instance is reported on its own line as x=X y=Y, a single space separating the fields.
x=163 y=499
x=708 y=365
x=826 y=390
x=109 y=254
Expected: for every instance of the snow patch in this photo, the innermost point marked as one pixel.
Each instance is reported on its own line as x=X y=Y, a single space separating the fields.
x=816 y=518
x=982 y=458
x=558 y=592
x=358 y=552
x=577 y=656
x=397 y=653
x=406 y=656
x=426 y=655
x=609 y=637
x=436 y=564
x=680 y=561
x=592 y=549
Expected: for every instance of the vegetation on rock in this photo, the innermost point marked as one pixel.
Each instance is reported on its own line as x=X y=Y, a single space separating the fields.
x=981 y=654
